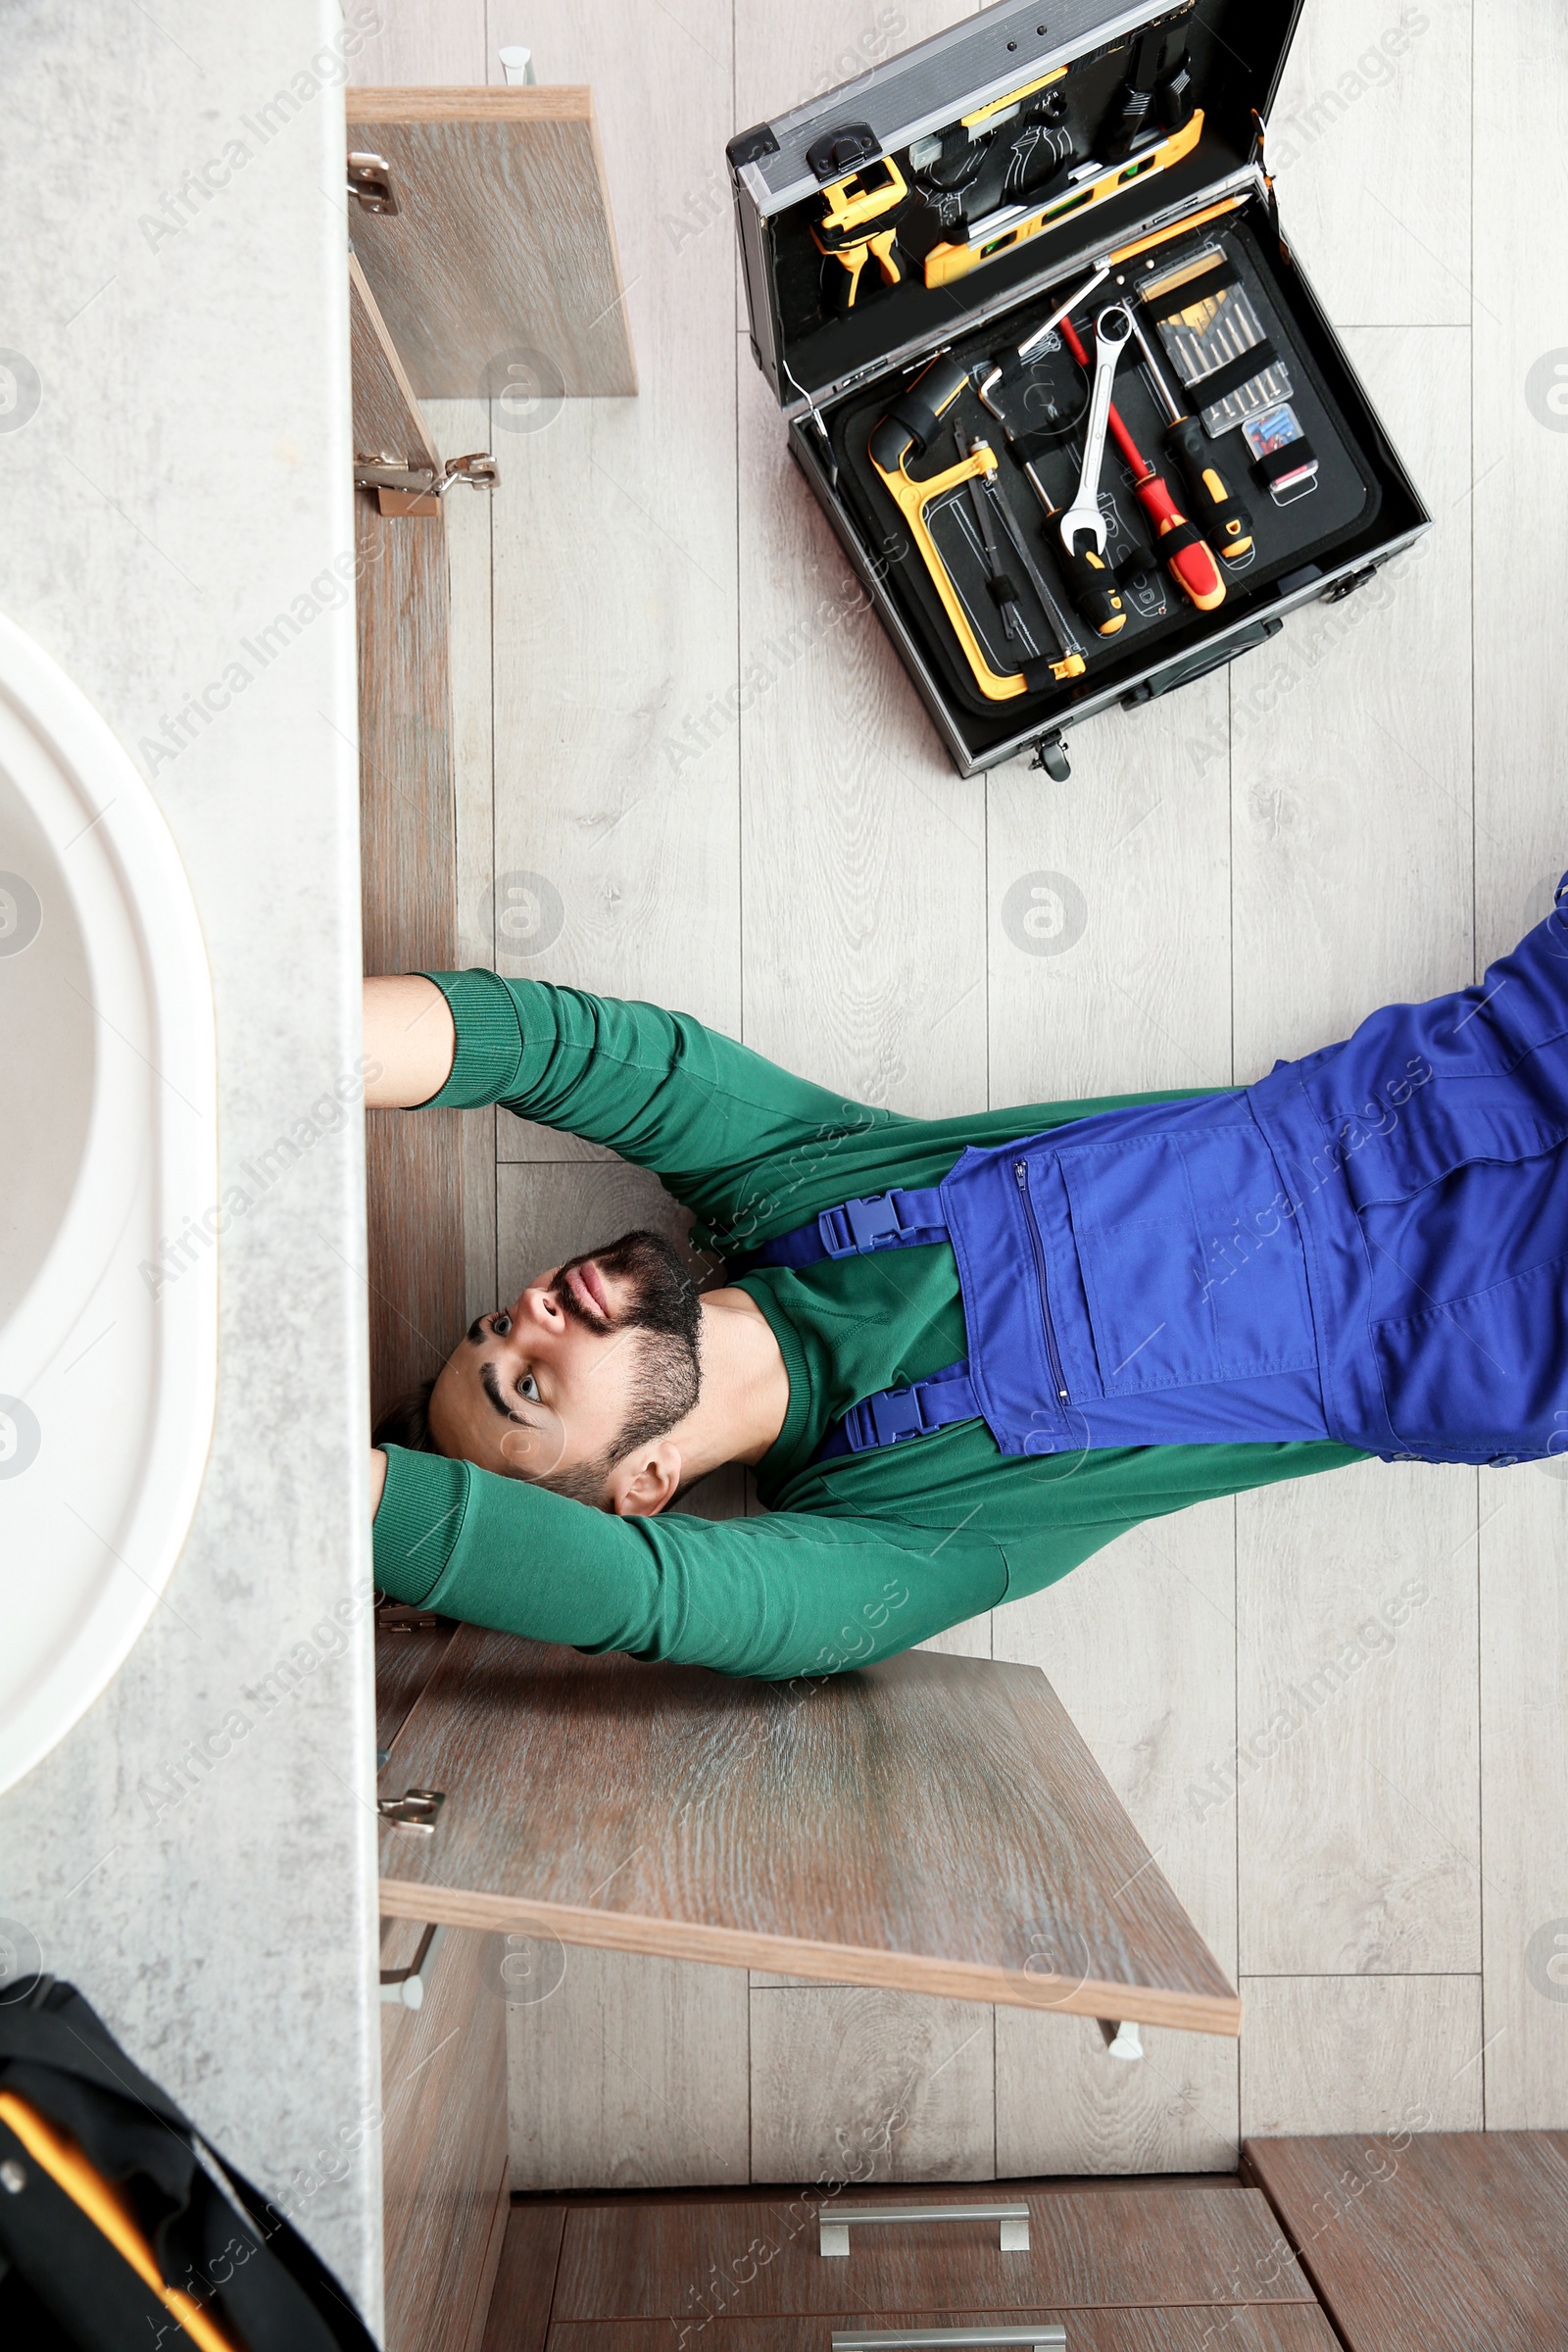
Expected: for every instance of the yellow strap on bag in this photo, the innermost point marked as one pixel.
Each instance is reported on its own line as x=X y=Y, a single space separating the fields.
x=56 y=2153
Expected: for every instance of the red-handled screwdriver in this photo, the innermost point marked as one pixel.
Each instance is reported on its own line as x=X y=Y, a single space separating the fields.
x=1228 y=526
x=1192 y=561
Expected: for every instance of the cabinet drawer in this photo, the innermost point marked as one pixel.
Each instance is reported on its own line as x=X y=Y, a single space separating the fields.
x=684 y=2262
x=1192 y=2327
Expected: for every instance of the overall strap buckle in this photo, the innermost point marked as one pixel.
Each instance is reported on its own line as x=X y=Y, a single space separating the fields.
x=882 y=1222
x=893 y=1414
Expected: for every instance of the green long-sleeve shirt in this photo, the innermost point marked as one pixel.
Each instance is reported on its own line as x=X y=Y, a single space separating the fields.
x=853 y=1560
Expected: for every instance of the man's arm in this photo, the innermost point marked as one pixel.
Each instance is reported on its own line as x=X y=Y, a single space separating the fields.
x=788 y=1593
x=713 y=1120
x=410 y=1041
x=752 y=1148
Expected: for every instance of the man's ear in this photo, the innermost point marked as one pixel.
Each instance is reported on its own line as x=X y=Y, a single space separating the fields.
x=643 y=1483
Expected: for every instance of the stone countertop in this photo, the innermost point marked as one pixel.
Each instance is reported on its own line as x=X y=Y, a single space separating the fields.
x=198 y=1854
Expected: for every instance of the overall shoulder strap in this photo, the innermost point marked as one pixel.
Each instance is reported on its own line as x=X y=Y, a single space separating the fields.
x=895 y=1413
x=896 y=1220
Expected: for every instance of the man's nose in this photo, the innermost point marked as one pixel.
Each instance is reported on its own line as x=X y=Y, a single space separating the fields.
x=536 y=1308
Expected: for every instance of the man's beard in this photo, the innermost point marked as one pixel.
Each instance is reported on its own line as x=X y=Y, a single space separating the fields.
x=662 y=1302
x=661 y=1296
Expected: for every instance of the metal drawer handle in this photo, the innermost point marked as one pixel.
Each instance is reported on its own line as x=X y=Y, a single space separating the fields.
x=1014 y=2220
x=407 y=1987
x=946 y=2339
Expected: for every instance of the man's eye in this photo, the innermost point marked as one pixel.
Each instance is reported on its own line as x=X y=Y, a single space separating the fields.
x=501 y=1324
x=528 y=1386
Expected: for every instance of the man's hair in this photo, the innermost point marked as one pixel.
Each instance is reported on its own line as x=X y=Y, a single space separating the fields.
x=408 y=1422
x=667 y=1321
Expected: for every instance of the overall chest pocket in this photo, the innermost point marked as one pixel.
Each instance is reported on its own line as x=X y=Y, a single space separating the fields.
x=1190 y=1260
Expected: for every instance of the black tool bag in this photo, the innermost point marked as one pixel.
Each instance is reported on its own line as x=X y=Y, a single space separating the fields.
x=904 y=237
x=68 y=2088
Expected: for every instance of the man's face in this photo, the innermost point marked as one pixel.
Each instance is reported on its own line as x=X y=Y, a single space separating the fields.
x=548 y=1388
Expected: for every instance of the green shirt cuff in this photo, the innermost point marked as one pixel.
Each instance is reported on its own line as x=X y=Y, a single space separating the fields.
x=489 y=1054
x=417 y=1523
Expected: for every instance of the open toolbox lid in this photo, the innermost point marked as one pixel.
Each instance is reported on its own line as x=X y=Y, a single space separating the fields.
x=1040 y=88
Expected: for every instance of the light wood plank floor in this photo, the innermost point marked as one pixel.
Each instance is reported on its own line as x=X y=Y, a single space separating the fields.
x=1371 y=808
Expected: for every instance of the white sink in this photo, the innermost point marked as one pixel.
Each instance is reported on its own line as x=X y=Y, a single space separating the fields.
x=108 y=1153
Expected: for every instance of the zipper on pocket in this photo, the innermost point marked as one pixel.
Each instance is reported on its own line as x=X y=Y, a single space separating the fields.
x=1020 y=1169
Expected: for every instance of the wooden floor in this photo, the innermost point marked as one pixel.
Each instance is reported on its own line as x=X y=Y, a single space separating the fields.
x=1447 y=2238
x=1370 y=807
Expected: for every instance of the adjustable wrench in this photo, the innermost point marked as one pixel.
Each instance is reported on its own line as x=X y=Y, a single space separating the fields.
x=1083 y=517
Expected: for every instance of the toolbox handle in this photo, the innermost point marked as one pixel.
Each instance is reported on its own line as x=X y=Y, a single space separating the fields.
x=1199 y=665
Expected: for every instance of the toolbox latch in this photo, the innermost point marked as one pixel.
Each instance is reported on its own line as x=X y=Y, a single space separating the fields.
x=1050 y=754
x=837 y=152
x=1352 y=581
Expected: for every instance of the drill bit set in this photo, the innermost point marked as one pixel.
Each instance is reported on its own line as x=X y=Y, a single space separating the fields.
x=1049 y=367
x=1212 y=338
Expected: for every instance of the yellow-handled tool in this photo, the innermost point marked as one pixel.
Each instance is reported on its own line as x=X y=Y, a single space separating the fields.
x=908 y=429
x=1016 y=222
x=846 y=233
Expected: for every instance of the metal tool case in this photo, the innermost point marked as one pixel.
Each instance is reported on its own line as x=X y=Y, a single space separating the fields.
x=904 y=235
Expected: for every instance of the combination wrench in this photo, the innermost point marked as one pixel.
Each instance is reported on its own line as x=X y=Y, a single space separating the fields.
x=1083 y=519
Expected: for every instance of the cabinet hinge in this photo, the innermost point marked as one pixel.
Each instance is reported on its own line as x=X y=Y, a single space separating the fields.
x=478 y=469
x=414 y=1809
x=371 y=182
x=387 y=471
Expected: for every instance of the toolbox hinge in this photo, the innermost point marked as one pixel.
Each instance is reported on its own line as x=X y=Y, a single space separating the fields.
x=1352 y=581
x=814 y=417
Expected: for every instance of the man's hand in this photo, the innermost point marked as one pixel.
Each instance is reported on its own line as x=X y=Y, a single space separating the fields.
x=409 y=1042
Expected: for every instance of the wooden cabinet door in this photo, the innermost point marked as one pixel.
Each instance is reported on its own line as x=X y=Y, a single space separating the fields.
x=408 y=891
x=443 y=2143
x=389 y=426
x=498 y=273
x=931 y=1824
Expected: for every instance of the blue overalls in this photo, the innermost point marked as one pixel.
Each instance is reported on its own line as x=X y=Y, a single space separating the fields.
x=1369 y=1245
